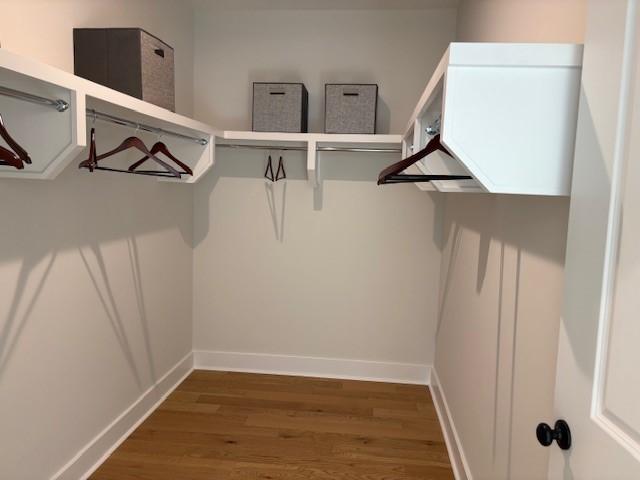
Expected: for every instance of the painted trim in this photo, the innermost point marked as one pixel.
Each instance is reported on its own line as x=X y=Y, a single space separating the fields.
x=89 y=458
x=312 y=367
x=459 y=462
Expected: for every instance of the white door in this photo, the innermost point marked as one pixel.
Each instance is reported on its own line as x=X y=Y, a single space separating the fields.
x=598 y=381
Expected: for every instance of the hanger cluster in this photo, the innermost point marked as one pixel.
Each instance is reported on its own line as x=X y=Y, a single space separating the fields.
x=14 y=156
x=268 y=173
x=167 y=168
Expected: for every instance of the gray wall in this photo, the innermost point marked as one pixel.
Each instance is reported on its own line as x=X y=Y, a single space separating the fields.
x=354 y=274
x=89 y=316
x=501 y=283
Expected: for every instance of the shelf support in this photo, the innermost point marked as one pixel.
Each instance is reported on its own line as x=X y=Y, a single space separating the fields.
x=312 y=163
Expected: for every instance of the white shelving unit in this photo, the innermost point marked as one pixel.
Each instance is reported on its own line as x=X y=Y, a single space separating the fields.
x=313 y=143
x=54 y=139
x=508 y=115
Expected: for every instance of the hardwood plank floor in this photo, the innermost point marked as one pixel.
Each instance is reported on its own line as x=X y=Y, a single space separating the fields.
x=238 y=426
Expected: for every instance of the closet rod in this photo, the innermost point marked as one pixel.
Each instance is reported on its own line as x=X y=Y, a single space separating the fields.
x=105 y=117
x=318 y=149
x=59 y=105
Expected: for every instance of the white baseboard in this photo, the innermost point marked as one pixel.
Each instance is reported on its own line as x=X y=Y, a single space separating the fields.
x=459 y=462
x=312 y=367
x=98 y=449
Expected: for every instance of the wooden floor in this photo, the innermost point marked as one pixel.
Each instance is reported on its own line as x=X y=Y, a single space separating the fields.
x=223 y=426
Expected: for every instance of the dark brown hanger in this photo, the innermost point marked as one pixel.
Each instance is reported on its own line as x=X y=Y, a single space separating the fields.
x=91 y=163
x=7 y=157
x=160 y=147
x=20 y=152
x=280 y=169
x=393 y=173
x=268 y=173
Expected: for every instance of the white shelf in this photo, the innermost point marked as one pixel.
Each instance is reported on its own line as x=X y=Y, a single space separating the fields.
x=508 y=116
x=311 y=142
x=54 y=139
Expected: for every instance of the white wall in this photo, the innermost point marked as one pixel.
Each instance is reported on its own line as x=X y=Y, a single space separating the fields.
x=521 y=21
x=355 y=274
x=501 y=284
x=394 y=48
x=95 y=304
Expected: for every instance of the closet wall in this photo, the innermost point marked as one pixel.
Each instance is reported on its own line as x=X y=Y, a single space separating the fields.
x=96 y=270
x=347 y=272
x=501 y=283
x=43 y=30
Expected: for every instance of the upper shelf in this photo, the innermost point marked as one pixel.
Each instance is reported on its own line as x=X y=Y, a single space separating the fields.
x=508 y=115
x=55 y=138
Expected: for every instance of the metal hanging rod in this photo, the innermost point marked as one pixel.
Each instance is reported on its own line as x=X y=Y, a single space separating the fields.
x=59 y=105
x=105 y=117
x=304 y=149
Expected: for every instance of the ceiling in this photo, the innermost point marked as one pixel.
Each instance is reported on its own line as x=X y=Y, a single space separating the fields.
x=326 y=4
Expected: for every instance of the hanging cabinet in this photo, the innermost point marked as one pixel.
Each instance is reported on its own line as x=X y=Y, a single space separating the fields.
x=506 y=112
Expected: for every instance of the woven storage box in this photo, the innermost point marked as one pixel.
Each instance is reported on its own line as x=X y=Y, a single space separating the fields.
x=280 y=107
x=129 y=60
x=350 y=108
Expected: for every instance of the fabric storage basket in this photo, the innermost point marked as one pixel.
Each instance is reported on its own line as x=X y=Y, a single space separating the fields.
x=350 y=108
x=129 y=60
x=280 y=107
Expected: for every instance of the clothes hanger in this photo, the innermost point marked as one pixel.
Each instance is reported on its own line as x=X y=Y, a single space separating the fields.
x=280 y=169
x=268 y=173
x=392 y=174
x=20 y=152
x=132 y=142
x=90 y=162
x=160 y=147
x=7 y=157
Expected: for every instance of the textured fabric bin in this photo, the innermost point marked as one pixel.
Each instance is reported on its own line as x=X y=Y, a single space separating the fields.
x=280 y=107
x=350 y=108
x=129 y=60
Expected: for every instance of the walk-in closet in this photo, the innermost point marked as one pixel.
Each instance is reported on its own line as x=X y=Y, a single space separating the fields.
x=319 y=239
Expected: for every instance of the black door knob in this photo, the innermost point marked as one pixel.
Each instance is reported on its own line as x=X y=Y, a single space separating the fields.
x=560 y=433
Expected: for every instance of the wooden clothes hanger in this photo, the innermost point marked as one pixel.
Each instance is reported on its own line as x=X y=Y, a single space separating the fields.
x=7 y=157
x=268 y=173
x=280 y=169
x=393 y=173
x=20 y=152
x=160 y=147
x=91 y=163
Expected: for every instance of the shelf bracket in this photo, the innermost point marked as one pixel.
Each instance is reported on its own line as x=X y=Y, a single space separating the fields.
x=312 y=163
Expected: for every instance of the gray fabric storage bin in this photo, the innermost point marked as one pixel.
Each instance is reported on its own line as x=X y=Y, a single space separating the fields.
x=350 y=108
x=129 y=60
x=280 y=107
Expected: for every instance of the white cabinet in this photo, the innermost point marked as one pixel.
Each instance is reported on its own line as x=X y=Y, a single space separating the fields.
x=506 y=112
